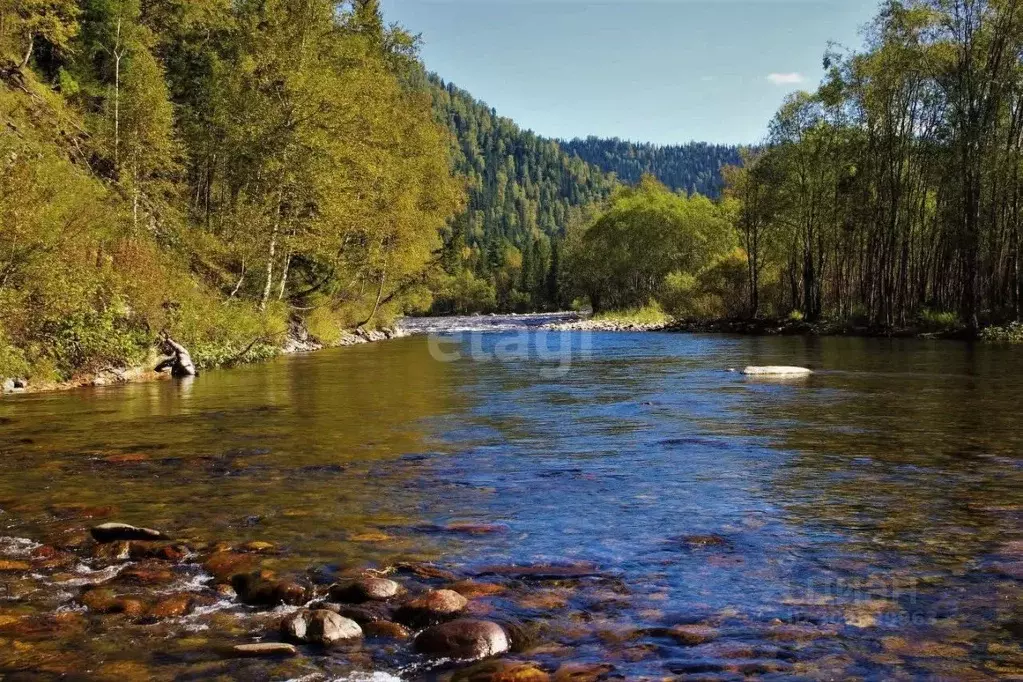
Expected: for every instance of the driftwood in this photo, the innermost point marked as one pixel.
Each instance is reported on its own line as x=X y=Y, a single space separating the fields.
x=178 y=360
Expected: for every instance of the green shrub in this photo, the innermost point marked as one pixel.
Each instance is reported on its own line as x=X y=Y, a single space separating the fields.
x=1010 y=333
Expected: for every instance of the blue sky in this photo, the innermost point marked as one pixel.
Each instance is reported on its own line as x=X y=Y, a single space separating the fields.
x=664 y=71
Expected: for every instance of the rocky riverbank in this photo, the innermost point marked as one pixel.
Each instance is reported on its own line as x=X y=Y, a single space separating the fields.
x=298 y=340
x=203 y=609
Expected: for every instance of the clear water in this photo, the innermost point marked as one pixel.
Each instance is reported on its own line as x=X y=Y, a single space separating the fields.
x=856 y=523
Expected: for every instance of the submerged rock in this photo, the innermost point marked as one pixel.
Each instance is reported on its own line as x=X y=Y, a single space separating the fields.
x=463 y=639
x=364 y=589
x=116 y=532
x=173 y=606
x=262 y=589
x=501 y=671
x=264 y=649
x=386 y=628
x=319 y=627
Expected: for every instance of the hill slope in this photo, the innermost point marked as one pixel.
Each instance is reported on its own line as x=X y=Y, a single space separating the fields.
x=523 y=192
x=693 y=167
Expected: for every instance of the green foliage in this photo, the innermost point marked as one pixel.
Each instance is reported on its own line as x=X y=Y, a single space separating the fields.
x=694 y=168
x=1010 y=333
x=936 y=320
x=650 y=314
x=523 y=192
x=648 y=233
x=214 y=170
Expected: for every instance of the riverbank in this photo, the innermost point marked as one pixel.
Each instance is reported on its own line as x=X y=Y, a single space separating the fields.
x=784 y=327
x=297 y=341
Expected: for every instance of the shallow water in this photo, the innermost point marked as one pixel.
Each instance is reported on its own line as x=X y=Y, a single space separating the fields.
x=857 y=523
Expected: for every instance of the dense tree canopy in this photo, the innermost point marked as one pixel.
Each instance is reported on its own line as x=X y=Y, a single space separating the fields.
x=894 y=190
x=213 y=170
x=694 y=168
x=502 y=252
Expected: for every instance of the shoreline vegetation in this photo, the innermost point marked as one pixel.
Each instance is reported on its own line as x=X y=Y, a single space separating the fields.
x=177 y=170
x=650 y=319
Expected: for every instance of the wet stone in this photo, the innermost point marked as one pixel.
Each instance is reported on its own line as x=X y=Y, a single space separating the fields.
x=262 y=589
x=583 y=672
x=115 y=532
x=157 y=550
x=432 y=607
x=386 y=628
x=364 y=589
x=463 y=639
x=7 y=565
x=174 y=606
x=691 y=635
x=267 y=649
x=224 y=564
x=319 y=627
x=501 y=671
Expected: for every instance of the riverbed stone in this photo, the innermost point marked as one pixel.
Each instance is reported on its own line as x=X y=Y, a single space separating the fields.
x=261 y=588
x=172 y=606
x=502 y=671
x=692 y=635
x=141 y=549
x=364 y=589
x=386 y=628
x=7 y=565
x=267 y=649
x=432 y=607
x=582 y=672
x=321 y=627
x=114 y=532
x=463 y=639
x=223 y=564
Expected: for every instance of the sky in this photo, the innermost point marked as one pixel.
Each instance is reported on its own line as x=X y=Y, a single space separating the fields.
x=663 y=71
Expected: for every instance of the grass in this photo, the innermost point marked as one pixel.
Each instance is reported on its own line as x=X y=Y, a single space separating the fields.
x=647 y=315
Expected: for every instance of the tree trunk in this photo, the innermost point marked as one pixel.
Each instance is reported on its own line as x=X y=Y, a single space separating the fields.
x=376 y=304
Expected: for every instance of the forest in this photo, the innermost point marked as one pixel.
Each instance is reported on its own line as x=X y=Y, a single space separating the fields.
x=694 y=168
x=890 y=197
x=211 y=170
x=226 y=172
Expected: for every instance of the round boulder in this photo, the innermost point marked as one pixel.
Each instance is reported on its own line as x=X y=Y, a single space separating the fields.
x=432 y=607
x=364 y=589
x=463 y=639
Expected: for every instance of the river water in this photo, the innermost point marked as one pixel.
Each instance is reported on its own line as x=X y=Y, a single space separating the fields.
x=862 y=523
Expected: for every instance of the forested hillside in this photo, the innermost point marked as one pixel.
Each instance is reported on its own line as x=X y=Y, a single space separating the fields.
x=694 y=167
x=212 y=170
x=523 y=191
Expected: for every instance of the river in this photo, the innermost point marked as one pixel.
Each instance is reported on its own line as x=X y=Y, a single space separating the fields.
x=863 y=522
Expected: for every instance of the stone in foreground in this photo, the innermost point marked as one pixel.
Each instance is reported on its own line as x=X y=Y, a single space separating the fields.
x=264 y=649
x=777 y=371
x=118 y=532
x=463 y=639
